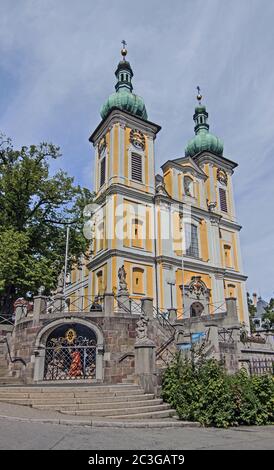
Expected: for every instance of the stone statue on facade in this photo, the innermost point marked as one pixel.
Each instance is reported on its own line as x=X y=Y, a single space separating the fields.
x=211 y=205
x=122 y=279
x=60 y=283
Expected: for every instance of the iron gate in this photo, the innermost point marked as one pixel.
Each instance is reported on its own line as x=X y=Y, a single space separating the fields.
x=70 y=353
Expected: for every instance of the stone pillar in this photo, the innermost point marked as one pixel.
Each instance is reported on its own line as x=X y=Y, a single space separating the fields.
x=147 y=306
x=213 y=338
x=21 y=310
x=172 y=314
x=231 y=308
x=39 y=307
x=108 y=307
x=59 y=304
x=123 y=301
x=145 y=364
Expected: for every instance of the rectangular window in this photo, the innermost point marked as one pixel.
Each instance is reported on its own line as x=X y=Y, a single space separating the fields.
x=102 y=171
x=192 y=245
x=137 y=234
x=223 y=202
x=136 y=167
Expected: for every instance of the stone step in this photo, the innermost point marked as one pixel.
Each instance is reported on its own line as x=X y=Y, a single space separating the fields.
x=70 y=395
x=118 y=412
x=57 y=400
x=10 y=381
x=70 y=388
x=103 y=405
x=147 y=415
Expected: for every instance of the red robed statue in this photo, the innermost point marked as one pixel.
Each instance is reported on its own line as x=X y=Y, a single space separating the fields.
x=75 y=367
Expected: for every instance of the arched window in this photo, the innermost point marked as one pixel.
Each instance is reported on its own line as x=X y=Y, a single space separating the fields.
x=227 y=254
x=138 y=281
x=188 y=186
x=137 y=233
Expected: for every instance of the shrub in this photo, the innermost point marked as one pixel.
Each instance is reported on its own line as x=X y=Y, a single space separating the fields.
x=204 y=392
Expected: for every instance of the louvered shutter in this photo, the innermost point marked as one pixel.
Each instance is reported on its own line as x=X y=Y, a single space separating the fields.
x=136 y=167
x=223 y=202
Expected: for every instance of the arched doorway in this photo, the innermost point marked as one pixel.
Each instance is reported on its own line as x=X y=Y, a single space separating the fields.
x=70 y=353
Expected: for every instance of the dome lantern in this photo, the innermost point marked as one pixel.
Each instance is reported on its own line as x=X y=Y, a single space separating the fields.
x=203 y=140
x=124 y=98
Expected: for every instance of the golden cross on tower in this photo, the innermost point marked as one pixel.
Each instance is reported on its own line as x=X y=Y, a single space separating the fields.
x=199 y=96
x=124 y=51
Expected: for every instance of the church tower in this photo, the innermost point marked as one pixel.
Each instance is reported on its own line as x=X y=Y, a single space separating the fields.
x=176 y=234
x=124 y=185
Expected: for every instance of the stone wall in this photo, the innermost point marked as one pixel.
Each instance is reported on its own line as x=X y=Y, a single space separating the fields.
x=118 y=347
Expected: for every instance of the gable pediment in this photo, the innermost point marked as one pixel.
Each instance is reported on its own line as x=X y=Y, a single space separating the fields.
x=185 y=165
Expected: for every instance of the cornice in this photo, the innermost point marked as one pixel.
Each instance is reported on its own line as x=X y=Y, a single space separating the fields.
x=118 y=188
x=116 y=115
x=206 y=157
x=188 y=168
x=138 y=257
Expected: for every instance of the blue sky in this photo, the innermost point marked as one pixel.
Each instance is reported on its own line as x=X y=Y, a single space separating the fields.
x=57 y=62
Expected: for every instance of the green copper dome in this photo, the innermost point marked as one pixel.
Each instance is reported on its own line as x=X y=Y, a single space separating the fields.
x=124 y=98
x=203 y=140
x=126 y=101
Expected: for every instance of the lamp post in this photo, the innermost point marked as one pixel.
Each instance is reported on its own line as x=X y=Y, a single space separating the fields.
x=66 y=260
x=171 y=284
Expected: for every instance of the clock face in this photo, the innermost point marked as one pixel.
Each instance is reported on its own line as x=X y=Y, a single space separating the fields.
x=137 y=139
x=222 y=176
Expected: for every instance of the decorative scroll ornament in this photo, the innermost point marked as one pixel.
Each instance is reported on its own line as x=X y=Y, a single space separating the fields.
x=222 y=176
x=197 y=287
x=102 y=146
x=137 y=139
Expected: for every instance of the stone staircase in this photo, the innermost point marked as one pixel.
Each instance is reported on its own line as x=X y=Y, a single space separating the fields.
x=5 y=377
x=119 y=402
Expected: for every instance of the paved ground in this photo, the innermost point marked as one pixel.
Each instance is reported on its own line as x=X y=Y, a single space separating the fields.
x=16 y=434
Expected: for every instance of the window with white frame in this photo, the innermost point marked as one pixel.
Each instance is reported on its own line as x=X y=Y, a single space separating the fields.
x=191 y=240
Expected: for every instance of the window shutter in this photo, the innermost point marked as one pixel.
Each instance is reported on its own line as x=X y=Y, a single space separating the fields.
x=223 y=202
x=136 y=167
x=102 y=171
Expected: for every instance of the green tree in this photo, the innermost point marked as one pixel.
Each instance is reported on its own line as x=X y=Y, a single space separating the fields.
x=33 y=206
x=268 y=316
x=252 y=312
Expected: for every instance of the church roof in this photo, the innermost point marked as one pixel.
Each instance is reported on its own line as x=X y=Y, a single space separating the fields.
x=123 y=98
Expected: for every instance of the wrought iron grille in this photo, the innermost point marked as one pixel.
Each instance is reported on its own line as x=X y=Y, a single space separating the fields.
x=73 y=303
x=70 y=354
x=225 y=335
x=261 y=366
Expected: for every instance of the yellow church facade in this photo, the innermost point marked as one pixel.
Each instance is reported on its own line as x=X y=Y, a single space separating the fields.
x=175 y=233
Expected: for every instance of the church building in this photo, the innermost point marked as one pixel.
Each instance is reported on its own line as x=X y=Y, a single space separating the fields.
x=176 y=233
